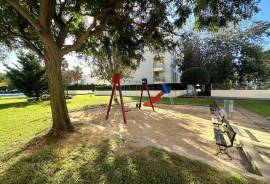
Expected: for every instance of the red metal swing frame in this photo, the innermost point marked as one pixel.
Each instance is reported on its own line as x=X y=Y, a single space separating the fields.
x=116 y=84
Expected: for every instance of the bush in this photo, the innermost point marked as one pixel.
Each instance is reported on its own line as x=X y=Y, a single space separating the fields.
x=82 y=87
x=195 y=75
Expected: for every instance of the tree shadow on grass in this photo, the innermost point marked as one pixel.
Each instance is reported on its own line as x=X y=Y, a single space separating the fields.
x=103 y=164
x=17 y=104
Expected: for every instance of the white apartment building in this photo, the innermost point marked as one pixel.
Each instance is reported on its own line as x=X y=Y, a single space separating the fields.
x=156 y=72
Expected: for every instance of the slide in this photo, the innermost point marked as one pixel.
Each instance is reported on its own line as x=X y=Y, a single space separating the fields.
x=154 y=99
x=165 y=90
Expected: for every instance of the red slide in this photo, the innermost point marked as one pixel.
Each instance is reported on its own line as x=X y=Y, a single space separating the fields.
x=154 y=99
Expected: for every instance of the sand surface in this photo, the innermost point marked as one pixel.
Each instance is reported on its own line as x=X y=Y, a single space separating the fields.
x=186 y=130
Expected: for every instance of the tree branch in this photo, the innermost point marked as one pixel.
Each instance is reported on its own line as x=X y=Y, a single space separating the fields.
x=25 y=40
x=46 y=13
x=33 y=4
x=25 y=14
x=79 y=42
x=63 y=31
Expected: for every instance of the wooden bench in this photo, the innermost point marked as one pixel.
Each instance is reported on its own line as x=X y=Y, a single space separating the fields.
x=221 y=142
x=219 y=117
x=213 y=107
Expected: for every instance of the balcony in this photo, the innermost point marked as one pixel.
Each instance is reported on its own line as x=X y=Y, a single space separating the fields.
x=159 y=79
x=158 y=67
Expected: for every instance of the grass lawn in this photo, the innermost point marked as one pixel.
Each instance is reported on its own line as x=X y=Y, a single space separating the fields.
x=20 y=120
x=84 y=163
x=261 y=107
x=106 y=163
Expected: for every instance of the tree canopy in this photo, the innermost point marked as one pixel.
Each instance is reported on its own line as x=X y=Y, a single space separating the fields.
x=115 y=52
x=232 y=55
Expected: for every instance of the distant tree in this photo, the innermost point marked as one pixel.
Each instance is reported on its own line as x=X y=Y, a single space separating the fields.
x=70 y=75
x=195 y=75
x=231 y=56
x=28 y=76
x=192 y=53
x=77 y=74
x=251 y=67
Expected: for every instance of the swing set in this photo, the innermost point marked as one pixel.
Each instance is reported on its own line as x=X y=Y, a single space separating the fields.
x=143 y=86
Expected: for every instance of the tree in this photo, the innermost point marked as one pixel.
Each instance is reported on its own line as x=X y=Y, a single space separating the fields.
x=70 y=75
x=115 y=52
x=251 y=67
x=29 y=76
x=232 y=55
x=77 y=73
x=44 y=26
x=195 y=75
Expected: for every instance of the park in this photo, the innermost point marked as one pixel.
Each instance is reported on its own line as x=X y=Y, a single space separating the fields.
x=134 y=92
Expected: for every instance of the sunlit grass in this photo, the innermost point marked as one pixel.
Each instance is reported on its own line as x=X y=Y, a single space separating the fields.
x=21 y=120
x=261 y=107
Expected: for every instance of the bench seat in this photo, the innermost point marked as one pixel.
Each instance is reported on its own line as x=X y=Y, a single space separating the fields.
x=216 y=121
x=219 y=137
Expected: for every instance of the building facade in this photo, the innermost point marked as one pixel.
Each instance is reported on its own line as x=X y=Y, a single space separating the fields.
x=156 y=71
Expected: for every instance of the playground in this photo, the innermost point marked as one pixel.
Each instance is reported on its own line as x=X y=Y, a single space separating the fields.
x=185 y=130
x=180 y=129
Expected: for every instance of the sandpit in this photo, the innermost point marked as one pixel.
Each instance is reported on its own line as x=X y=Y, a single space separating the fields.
x=186 y=130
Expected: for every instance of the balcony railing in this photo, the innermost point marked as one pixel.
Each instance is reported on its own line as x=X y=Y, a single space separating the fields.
x=159 y=65
x=159 y=79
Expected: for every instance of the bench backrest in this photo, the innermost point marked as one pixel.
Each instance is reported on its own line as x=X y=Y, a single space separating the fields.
x=230 y=132
x=222 y=115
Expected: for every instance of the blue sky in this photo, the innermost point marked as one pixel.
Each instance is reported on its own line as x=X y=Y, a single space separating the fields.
x=263 y=14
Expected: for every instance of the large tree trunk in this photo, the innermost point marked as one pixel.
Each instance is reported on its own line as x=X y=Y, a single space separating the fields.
x=61 y=121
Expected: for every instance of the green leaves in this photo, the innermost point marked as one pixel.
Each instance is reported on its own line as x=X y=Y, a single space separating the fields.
x=151 y=22
x=195 y=75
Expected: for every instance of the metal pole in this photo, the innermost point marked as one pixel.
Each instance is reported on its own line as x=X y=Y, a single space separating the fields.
x=149 y=96
x=122 y=104
x=141 y=96
x=110 y=103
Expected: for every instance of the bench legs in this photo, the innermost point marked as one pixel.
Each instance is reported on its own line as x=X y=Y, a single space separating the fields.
x=223 y=150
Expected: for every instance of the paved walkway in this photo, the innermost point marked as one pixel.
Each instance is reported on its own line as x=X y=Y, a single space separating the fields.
x=253 y=133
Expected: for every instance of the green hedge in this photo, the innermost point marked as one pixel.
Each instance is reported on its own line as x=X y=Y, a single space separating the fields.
x=174 y=86
x=82 y=87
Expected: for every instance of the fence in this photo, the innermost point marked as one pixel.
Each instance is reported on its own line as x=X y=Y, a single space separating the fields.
x=174 y=93
x=263 y=94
